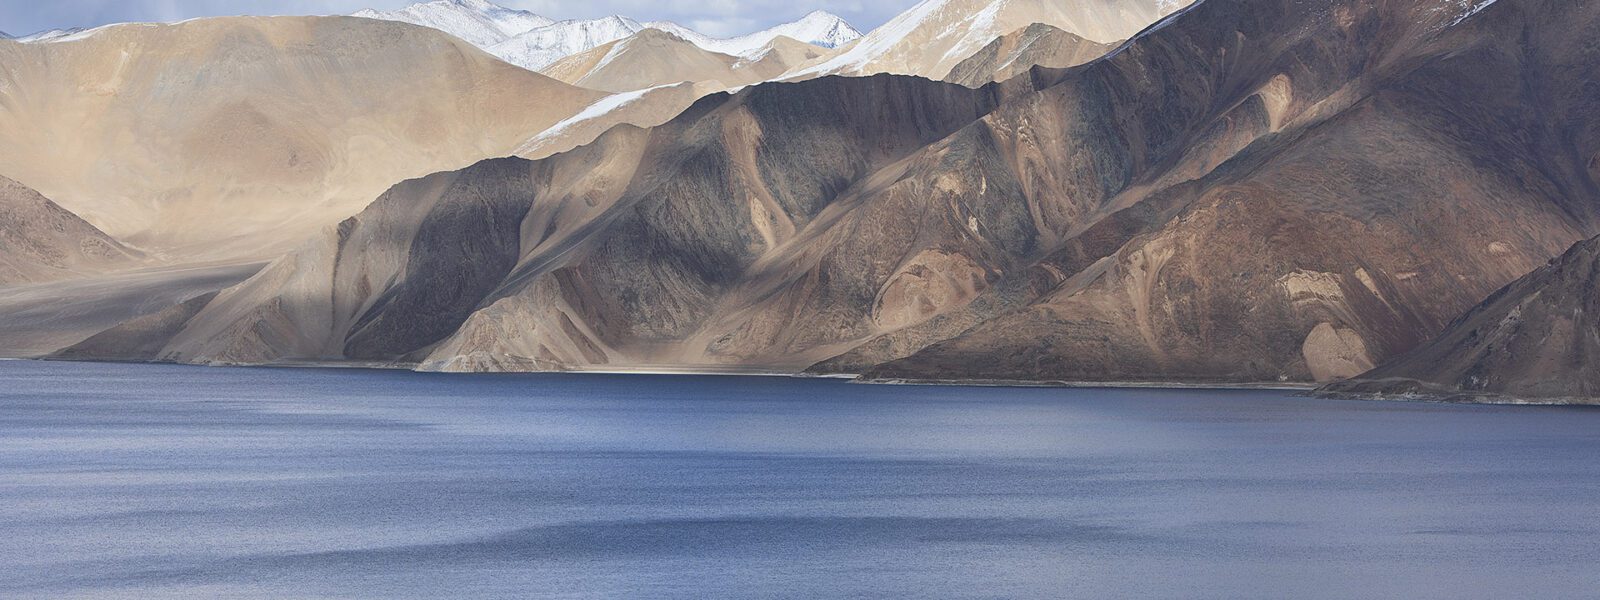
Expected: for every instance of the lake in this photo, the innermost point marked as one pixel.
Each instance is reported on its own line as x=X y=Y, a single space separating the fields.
x=124 y=481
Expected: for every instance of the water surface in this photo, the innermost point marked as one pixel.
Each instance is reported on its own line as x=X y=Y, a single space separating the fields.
x=138 y=481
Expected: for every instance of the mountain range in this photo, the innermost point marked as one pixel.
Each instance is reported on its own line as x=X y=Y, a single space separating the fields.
x=534 y=42
x=1229 y=192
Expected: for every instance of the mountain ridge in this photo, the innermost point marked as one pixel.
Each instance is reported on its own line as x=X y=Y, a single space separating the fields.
x=535 y=42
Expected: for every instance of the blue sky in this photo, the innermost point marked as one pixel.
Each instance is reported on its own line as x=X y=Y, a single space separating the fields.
x=715 y=17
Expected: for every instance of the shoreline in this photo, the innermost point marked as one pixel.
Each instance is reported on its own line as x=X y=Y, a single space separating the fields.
x=1307 y=390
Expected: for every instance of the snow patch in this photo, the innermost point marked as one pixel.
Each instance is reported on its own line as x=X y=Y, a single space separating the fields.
x=600 y=108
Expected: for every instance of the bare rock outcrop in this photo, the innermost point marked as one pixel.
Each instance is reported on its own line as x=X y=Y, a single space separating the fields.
x=1536 y=340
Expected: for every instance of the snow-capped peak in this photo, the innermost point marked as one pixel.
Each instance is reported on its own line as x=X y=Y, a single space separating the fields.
x=538 y=48
x=534 y=42
x=478 y=22
x=820 y=28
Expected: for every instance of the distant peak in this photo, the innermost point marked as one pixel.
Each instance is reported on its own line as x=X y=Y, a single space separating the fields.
x=652 y=33
x=822 y=15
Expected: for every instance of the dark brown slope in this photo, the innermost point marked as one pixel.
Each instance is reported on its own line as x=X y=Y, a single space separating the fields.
x=604 y=254
x=1383 y=149
x=40 y=241
x=1535 y=340
x=1258 y=190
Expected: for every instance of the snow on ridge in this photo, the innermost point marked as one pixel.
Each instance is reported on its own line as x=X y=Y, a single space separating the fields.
x=600 y=108
x=534 y=42
x=478 y=22
x=879 y=41
x=1470 y=8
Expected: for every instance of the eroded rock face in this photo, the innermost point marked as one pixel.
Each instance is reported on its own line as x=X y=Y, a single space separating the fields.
x=1259 y=190
x=1536 y=339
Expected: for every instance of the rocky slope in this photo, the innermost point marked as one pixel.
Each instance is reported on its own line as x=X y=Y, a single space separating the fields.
x=1251 y=191
x=1537 y=339
x=1037 y=45
x=231 y=137
x=1307 y=241
x=40 y=241
x=618 y=247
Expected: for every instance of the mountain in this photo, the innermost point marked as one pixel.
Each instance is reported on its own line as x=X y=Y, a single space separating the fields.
x=478 y=22
x=1305 y=240
x=1015 y=53
x=784 y=52
x=1537 y=339
x=139 y=337
x=653 y=58
x=539 y=48
x=934 y=36
x=534 y=42
x=819 y=28
x=632 y=238
x=238 y=137
x=40 y=241
x=1250 y=191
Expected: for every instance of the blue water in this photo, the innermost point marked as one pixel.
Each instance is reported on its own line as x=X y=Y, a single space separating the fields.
x=153 y=481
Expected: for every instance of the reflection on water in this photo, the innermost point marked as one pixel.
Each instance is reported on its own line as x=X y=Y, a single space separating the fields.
x=119 y=481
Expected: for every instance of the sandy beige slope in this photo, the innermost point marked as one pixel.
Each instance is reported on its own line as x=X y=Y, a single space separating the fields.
x=240 y=136
x=40 y=241
x=646 y=59
x=1037 y=45
x=653 y=58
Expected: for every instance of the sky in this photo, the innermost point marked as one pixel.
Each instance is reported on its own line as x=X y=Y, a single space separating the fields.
x=712 y=17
